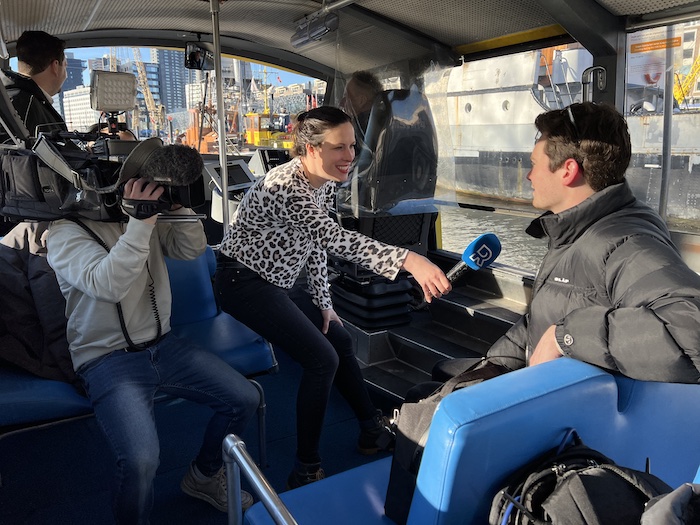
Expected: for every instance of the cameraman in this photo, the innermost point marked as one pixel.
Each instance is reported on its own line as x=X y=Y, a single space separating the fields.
x=118 y=304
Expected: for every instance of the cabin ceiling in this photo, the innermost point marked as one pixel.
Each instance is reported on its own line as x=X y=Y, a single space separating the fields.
x=261 y=29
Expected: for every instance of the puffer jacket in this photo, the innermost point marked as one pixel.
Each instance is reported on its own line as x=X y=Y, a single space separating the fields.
x=616 y=288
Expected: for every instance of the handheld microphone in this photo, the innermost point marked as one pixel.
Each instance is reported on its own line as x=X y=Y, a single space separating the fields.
x=480 y=253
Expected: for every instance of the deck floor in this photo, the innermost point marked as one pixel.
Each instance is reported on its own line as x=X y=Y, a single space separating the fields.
x=61 y=475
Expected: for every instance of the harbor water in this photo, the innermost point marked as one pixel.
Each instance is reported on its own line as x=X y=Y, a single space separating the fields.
x=459 y=226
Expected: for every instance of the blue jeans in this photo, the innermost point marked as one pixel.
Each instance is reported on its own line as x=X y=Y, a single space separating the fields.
x=291 y=322
x=122 y=386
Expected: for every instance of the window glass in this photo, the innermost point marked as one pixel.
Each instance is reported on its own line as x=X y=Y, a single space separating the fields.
x=486 y=136
x=674 y=192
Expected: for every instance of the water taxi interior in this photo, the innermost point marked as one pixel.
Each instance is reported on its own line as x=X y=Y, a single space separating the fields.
x=450 y=156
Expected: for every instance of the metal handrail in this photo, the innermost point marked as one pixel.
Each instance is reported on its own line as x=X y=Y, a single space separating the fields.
x=236 y=458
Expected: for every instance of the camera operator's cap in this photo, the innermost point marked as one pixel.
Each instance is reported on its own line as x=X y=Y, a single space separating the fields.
x=137 y=159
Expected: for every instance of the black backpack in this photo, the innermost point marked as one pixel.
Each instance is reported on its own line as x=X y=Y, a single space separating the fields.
x=573 y=484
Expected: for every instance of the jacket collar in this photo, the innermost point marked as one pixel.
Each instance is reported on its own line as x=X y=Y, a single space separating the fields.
x=15 y=80
x=569 y=225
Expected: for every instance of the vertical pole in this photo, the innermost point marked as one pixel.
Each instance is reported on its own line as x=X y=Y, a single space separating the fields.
x=242 y=104
x=668 y=115
x=220 y=113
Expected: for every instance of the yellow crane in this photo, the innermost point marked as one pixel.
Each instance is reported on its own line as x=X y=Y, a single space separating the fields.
x=154 y=112
x=682 y=88
x=112 y=58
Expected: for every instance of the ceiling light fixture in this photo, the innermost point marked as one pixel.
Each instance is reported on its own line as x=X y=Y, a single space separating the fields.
x=314 y=29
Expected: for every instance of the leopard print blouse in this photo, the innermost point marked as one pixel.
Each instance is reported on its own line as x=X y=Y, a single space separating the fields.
x=282 y=224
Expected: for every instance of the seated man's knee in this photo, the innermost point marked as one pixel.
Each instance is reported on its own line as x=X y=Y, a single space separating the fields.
x=421 y=391
x=142 y=463
x=448 y=368
x=249 y=400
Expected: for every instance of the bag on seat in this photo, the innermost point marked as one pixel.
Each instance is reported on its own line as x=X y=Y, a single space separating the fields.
x=412 y=427
x=573 y=484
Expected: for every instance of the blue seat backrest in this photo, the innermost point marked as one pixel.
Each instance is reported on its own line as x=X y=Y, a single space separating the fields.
x=196 y=316
x=482 y=434
x=659 y=421
x=478 y=438
x=191 y=286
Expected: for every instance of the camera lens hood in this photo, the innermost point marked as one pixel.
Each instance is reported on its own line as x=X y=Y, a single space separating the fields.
x=136 y=160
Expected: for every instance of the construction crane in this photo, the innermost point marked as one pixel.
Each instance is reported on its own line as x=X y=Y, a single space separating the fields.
x=112 y=58
x=155 y=113
x=682 y=89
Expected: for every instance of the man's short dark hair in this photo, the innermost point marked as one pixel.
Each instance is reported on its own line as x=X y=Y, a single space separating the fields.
x=177 y=164
x=594 y=135
x=38 y=50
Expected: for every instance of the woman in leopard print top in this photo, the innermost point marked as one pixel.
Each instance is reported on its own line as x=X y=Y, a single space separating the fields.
x=282 y=227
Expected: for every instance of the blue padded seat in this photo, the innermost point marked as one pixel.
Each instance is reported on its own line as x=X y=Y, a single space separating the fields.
x=482 y=434
x=28 y=399
x=233 y=341
x=196 y=316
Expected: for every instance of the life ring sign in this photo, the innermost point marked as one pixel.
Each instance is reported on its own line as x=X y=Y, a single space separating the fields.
x=652 y=78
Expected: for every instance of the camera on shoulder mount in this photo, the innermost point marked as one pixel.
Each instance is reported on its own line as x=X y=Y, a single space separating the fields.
x=57 y=175
x=177 y=168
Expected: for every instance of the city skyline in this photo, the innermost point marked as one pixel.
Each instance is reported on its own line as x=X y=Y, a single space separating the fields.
x=275 y=77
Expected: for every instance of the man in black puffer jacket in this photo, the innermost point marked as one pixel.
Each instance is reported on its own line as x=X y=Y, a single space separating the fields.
x=612 y=289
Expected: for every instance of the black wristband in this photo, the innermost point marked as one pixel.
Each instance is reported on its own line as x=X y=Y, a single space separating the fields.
x=140 y=209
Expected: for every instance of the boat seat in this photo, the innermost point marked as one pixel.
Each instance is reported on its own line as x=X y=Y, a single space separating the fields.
x=28 y=401
x=196 y=316
x=482 y=434
x=389 y=198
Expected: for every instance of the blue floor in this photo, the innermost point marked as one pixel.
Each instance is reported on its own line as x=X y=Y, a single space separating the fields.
x=61 y=475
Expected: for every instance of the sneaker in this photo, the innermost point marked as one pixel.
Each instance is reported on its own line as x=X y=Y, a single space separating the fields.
x=212 y=490
x=304 y=473
x=380 y=436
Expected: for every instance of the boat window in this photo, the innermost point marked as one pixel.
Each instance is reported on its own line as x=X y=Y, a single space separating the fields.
x=178 y=103
x=669 y=182
x=483 y=112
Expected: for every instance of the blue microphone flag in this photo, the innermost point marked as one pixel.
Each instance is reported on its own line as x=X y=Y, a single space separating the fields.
x=482 y=251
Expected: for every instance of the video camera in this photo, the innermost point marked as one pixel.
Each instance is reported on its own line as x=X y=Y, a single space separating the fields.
x=59 y=175
x=177 y=168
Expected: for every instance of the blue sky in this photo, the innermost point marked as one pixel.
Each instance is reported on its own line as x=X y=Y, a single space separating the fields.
x=96 y=52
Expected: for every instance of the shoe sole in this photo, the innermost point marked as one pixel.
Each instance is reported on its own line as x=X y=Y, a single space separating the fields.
x=206 y=497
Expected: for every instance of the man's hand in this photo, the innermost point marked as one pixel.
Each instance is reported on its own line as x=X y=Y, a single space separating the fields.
x=547 y=348
x=143 y=190
x=328 y=316
x=430 y=277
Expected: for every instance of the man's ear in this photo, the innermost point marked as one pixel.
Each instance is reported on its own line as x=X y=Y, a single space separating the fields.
x=572 y=173
x=55 y=67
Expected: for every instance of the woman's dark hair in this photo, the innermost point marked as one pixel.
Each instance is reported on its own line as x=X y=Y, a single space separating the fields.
x=594 y=135
x=311 y=127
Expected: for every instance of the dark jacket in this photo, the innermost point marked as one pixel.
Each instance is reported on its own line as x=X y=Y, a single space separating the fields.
x=680 y=507
x=32 y=316
x=32 y=105
x=617 y=289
